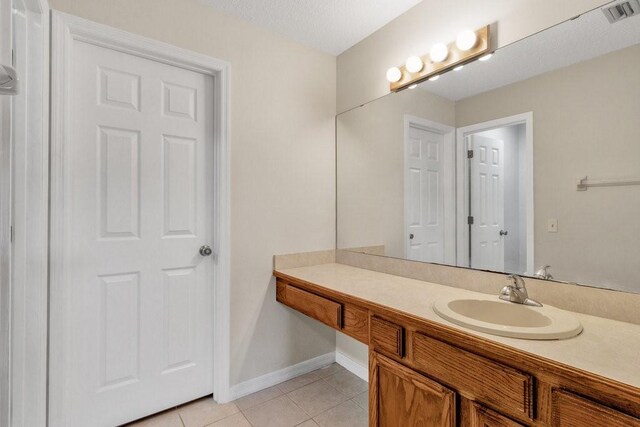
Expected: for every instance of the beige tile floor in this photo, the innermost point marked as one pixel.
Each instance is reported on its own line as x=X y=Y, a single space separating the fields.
x=328 y=397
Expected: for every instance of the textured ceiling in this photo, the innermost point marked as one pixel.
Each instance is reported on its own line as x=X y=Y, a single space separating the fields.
x=332 y=26
x=586 y=37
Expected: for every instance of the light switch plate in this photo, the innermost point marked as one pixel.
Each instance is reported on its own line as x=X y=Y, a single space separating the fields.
x=552 y=225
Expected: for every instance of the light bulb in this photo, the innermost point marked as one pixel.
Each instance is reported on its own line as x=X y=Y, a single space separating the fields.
x=394 y=74
x=466 y=40
x=458 y=68
x=414 y=64
x=486 y=57
x=434 y=78
x=413 y=86
x=439 y=52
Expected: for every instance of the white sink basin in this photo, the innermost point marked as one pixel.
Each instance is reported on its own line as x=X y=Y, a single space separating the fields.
x=507 y=319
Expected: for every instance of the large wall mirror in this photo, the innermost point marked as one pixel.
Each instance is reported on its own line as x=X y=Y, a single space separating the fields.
x=527 y=160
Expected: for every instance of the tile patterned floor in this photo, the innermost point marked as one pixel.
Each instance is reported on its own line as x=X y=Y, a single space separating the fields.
x=328 y=397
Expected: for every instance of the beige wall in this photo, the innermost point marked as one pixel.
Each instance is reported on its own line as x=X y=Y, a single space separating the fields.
x=584 y=123
x=361 y=69
x=282 y=154
x=353 y=349
x=370 y=168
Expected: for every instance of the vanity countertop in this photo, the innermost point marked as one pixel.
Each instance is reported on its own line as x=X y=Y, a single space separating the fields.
x=608 y=348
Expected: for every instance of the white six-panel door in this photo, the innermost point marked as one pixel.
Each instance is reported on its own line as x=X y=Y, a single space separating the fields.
x=139 y=313
x=487 y=203
x=426 y=195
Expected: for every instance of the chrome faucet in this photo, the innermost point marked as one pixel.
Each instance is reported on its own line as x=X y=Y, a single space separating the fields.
x=543 y=273
x=516 y=292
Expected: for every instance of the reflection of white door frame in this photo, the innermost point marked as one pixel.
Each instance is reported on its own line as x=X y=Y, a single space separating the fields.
x=462 y=180
x=66 y=29
x=24 y=193
x=448 y=133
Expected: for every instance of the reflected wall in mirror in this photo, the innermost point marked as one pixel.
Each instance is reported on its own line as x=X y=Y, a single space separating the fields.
x=481 y=168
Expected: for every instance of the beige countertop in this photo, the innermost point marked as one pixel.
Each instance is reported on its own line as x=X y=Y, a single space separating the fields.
x=608 y=348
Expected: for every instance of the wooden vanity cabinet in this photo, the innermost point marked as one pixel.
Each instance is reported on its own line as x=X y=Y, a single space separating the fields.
x=422 y=373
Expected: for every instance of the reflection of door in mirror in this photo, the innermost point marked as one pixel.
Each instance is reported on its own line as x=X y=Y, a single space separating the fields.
x=429 y=199
x=496 y=196
x=487 y=202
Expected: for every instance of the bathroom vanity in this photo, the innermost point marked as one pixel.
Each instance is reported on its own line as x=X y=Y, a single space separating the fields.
x=424 y=370
x=523 y=164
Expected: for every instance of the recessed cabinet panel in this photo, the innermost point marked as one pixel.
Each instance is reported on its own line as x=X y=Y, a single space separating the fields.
x=356 y=323
x=387 y=337
x=496 y=385
x=484 y=417
x=405 y=398
x=317 y=307
x=569 y=410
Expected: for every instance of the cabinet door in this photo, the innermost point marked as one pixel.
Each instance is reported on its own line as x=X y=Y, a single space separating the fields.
x=402 y=397
x=485 y=417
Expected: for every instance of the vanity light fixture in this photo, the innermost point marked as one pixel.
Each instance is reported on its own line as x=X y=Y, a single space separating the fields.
x=469 y=46
x=434 y=78
x=458 y=68
x=414 y=64
x=439 y=52
x=413 y=86
x=486 y=57
x=394 y=74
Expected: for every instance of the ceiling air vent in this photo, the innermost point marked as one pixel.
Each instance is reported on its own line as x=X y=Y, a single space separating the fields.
x=621 y=11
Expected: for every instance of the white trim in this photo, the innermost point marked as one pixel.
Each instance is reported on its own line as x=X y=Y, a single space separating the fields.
x=352 y=366
x=463 y=184
x=448 y=133
x=5 y=222
x=269 y=380
x=30 y=202
x=66 y=29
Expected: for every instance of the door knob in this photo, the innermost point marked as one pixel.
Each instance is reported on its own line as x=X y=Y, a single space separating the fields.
x=411 y=236
x=205 y=250
x=503 y=232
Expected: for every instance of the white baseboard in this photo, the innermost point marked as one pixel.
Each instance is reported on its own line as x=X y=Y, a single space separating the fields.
x=352 y=366
x=277 y=377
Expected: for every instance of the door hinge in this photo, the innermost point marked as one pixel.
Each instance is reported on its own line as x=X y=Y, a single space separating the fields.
x=469 y=154
x=470 y=220
x=11 y=236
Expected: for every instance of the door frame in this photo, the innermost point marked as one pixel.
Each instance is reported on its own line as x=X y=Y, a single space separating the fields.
x=29 y=210
x=5 y=222
x=448 y=133
x=23 y=235
x=65 y=30
x=462 y=180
